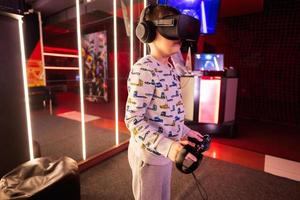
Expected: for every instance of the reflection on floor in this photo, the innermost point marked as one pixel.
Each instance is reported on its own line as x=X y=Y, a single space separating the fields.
x=274 y=139
x=236 y=155
x=270 y=164
x=75 y=115
x=110 y=124
x=266 y=146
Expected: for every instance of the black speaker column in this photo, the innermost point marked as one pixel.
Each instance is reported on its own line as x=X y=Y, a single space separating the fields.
x=14 y=148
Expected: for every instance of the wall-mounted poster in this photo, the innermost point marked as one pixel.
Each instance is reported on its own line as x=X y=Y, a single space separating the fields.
x=94 y=53
x=34 y=64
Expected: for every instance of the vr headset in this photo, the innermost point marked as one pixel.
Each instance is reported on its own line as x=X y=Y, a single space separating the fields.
x=173 y=27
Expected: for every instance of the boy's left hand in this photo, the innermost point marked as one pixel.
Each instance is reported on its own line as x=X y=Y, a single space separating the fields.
x=195 y=134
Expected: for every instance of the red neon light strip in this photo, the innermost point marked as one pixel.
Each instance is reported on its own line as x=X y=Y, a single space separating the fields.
x=60 y=50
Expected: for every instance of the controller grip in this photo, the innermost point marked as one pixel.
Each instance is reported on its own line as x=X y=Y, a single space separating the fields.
x=181 y=157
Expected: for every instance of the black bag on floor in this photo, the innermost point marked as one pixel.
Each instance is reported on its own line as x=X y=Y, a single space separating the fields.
x=42 y=179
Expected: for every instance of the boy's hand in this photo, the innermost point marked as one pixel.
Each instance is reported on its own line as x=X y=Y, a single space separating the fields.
x=196 y=135
x=176 y=147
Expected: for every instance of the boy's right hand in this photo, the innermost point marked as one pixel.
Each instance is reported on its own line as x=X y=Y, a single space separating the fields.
x=176 y=147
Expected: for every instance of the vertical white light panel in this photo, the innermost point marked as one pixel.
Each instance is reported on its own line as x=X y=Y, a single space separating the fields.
x=116 y=72
x=131 y=33
x=145 y=45
x=81 y=80
x=25 y=83
x=203 y=16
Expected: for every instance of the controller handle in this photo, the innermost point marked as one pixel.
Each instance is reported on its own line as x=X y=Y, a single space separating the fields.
x=181 y=157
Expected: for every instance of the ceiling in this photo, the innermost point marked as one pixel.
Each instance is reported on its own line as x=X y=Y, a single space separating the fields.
x=49 y=7
x=228 y=7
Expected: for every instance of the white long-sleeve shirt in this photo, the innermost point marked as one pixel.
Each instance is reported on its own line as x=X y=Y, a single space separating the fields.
x=154 y=109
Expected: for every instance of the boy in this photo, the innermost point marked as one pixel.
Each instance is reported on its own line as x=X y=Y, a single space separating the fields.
x=155 y=113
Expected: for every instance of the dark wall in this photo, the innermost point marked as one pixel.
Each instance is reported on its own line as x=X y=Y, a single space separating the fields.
x=66 y=40
x=13 y=135
x=16 y=6
x=31 y=33
x=265 y=48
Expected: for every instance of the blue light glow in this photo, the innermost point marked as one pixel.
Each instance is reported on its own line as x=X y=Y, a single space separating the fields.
x=203 y=17
x=204 y=10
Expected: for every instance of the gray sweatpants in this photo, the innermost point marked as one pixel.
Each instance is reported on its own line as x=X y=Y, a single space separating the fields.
x=149 y=182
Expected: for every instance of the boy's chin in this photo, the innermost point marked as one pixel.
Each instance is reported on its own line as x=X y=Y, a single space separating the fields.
x=176 y=47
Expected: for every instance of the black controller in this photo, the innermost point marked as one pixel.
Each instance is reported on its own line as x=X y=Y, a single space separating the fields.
x=197 y=151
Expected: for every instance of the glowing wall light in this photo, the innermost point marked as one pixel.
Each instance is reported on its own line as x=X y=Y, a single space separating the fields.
x=25 y=83
x=131 y=33
x=204 y=25
x=209 y=100
x=81 y=80
x=116 y=68
x=145 y=45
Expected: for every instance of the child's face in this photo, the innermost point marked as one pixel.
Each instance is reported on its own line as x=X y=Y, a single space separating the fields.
x=165 y=46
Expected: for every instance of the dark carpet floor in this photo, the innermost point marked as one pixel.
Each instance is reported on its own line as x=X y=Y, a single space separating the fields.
x=222 y=181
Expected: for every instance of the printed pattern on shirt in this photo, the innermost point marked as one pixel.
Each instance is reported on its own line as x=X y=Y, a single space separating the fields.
x=154 y=107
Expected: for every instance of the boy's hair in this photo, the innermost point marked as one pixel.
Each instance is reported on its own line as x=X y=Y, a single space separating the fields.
x=156 y=12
